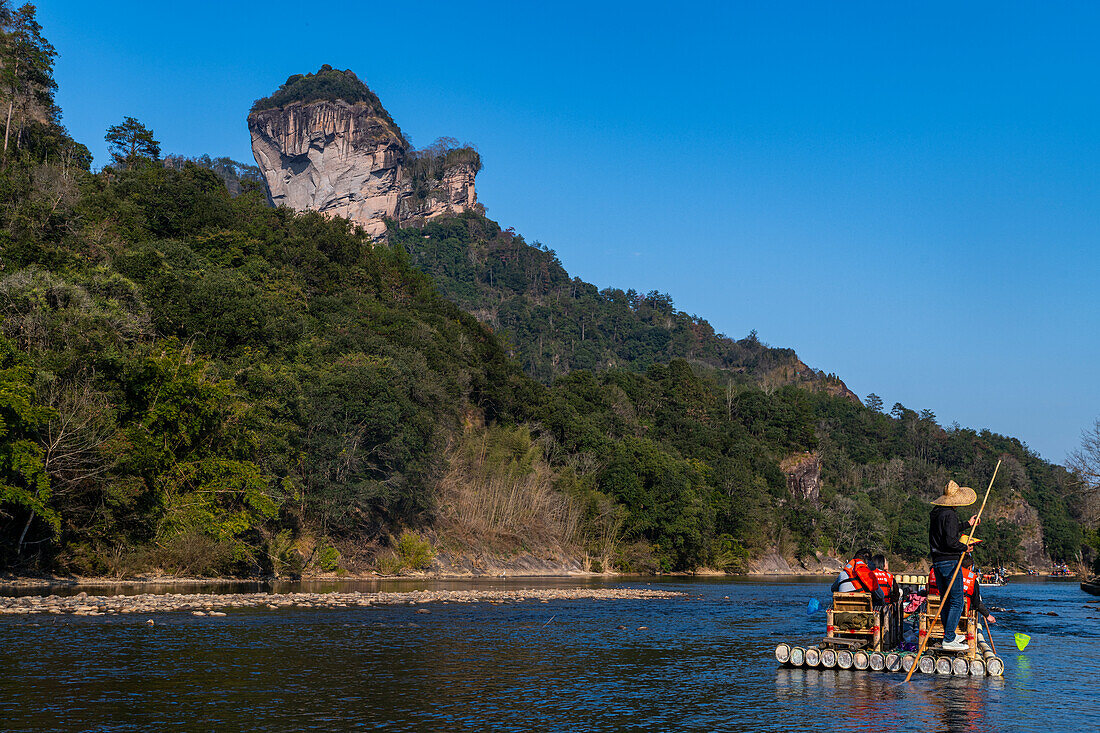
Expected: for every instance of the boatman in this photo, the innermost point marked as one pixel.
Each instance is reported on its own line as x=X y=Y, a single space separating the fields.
x=857 y=577
x=944 y=532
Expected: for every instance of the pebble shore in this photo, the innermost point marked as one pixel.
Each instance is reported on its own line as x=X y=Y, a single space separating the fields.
x=215 y=604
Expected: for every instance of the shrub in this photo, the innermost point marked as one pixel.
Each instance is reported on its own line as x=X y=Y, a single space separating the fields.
x=284 y=555
x=389 y=564
x=328 y=558
x=415 y=551
x=412 y=551
x=197 y=554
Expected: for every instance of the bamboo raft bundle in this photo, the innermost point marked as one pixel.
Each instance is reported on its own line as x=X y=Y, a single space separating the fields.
x=933 y=662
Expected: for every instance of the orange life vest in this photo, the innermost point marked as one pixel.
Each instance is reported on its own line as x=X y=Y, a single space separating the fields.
x=860 y=576
x=885 y=580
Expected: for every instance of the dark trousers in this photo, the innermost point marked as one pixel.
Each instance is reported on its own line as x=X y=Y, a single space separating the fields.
x=952 y=610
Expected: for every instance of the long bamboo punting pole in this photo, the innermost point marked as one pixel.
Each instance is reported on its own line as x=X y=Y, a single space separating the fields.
x=947 y=590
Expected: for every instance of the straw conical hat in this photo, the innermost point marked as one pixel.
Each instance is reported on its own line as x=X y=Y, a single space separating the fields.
x=955 y=495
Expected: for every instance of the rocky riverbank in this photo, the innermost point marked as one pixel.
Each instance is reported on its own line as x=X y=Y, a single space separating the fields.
x=216 y=604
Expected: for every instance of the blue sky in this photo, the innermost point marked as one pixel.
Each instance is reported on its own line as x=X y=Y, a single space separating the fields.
x=906 y=194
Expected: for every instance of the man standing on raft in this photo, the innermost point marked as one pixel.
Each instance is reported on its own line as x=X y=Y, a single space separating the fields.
x=944 y=530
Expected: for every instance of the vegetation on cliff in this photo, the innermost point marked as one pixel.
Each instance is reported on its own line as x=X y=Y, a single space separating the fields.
x=197 y=382
x=326 y=84
x=427 y=167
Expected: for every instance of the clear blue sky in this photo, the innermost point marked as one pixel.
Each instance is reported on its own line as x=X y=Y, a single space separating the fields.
x=907 y=194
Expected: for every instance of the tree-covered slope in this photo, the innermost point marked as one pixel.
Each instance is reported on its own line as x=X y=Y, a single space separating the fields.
x=553 y=323
x=194 y=382
x=303 y=364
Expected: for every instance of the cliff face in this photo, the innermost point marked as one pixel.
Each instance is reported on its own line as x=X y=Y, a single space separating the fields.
x=803 y=472
x=350 y=160
x=1026 y=517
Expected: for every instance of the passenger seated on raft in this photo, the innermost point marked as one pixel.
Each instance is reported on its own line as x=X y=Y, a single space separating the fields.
x=857 y=577
x=880 y=566
x=971 y=587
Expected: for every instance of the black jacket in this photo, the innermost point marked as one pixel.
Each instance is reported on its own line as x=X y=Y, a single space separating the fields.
x=944 y=529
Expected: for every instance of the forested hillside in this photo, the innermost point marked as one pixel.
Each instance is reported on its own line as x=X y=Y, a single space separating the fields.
x=554 y=324
x=194 y=382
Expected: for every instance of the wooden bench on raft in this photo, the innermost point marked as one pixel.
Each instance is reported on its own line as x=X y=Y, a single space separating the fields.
x=854 y=623
x=931 y=626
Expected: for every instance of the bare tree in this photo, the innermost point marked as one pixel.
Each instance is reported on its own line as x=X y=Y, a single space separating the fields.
x=1085 y=462
x=74 y=441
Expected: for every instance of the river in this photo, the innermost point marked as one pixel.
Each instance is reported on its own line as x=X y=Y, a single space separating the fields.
x=701 y=663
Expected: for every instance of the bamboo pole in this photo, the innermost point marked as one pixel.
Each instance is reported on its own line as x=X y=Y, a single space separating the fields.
x=958 y=567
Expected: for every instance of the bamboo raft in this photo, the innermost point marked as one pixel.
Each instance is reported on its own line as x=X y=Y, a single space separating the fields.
x=859 y=637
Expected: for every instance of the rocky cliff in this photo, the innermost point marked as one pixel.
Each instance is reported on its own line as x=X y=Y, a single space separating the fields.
x=803 y=472
x=1016 y=510
x=348 y=158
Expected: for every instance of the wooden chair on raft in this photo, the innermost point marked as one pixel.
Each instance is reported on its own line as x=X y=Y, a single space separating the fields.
x=931 y=626
x=854 y=623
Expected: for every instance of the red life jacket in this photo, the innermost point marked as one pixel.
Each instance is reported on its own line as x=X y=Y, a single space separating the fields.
x=860 y=576
x=970 y=580
x=885 y=580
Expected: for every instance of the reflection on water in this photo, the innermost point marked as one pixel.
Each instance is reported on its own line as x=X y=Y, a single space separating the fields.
x=703 y=663
x=873 y=701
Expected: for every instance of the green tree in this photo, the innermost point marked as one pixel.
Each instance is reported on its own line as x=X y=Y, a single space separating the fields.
x=874 y=402
x=24 y=484
x=130 y=142
x=187 y=452
x=27 y=69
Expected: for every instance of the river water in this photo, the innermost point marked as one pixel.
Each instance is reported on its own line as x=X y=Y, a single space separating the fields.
x=703 y=663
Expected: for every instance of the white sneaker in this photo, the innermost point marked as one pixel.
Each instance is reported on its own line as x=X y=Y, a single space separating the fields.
x=958 y=645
